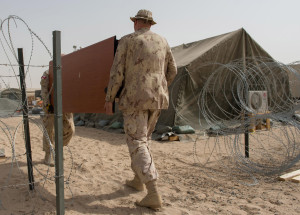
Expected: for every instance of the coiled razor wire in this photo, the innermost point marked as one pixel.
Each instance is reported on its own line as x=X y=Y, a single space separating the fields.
x=226 y=111
x=12 y=137
x=12 y=134
x=223 y=107
x=9 y=48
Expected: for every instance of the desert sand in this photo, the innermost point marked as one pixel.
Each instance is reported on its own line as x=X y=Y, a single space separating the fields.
x=97 y=163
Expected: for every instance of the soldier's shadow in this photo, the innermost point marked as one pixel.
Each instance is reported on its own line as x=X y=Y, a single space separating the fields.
x=16 y=198
x=84 y=203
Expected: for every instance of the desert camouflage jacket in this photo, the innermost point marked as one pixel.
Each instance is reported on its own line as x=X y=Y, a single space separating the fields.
x=143 y=67
x=45 y=90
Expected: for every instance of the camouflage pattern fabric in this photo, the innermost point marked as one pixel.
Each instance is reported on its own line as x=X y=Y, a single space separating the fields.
x=68 y=129
x=45 y=90
x=144 y=66
x=48 y=121
x=139 y=126
x=48 y=118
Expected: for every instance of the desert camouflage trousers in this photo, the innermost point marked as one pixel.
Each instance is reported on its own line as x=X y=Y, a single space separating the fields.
x=68 y=129
x=138 y=127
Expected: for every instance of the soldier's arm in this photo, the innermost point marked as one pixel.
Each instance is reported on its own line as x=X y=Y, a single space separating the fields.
x=44 y=89
x=117 y=72
x=172 y=68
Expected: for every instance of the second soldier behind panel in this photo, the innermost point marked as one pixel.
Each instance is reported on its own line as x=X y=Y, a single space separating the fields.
x=144 y=66
x=48 y=121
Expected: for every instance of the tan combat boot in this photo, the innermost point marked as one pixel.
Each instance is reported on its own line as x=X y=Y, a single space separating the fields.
x=48 y=159
x=152 y=199
x=135 y=183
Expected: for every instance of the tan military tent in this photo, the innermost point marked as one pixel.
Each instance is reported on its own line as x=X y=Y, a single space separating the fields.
x=294 y=73
x=196 y=61
x=12 y=93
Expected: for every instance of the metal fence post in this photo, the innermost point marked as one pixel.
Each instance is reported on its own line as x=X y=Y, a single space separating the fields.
x=246 y=113
x=59 y=167
x=25 y=119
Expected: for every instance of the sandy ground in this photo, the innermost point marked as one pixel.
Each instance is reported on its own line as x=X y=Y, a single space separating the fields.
x=97 y=164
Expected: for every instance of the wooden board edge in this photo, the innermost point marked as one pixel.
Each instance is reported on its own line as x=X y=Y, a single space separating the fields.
x=289 y=175
x=296 y=179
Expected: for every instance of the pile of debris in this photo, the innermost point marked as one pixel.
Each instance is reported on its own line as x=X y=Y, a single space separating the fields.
x=115 y=124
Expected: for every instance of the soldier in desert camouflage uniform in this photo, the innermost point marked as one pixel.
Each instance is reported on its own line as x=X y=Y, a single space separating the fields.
x=144 y=66
x=48 y=120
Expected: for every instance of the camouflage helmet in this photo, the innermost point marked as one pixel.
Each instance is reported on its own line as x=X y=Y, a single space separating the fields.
x=145 y=15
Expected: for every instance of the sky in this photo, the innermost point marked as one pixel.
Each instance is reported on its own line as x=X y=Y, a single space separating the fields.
x=274 y=24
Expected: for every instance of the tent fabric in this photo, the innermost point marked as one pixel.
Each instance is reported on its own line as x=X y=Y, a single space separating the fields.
x=188 y=53
x=196 y=61
x=294 y=77
x=12 y=93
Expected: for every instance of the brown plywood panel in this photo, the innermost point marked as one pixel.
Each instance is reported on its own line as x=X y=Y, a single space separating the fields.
x=85 y=74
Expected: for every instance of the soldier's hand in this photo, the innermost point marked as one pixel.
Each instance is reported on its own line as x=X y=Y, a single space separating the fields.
x=108 y=106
